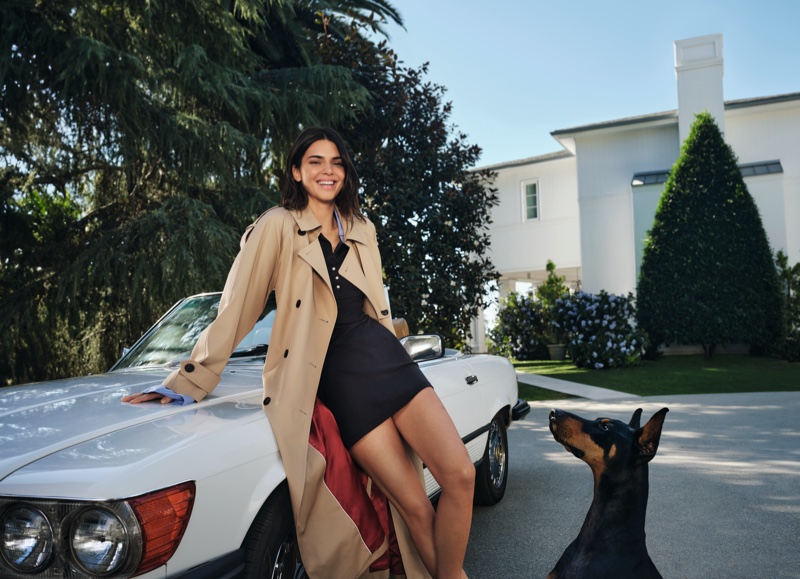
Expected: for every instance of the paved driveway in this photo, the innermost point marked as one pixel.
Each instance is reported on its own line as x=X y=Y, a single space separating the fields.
x=724 y=490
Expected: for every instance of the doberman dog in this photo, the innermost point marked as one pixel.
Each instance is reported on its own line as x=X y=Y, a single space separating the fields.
x=611 y=543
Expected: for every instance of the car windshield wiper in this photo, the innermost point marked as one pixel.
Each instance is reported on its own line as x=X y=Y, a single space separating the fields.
x=257 y=350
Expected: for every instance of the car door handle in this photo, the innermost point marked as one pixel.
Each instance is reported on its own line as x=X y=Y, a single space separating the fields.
x=471 y=379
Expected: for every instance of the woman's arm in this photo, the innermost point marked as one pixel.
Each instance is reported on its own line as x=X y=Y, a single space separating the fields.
x=249 y=282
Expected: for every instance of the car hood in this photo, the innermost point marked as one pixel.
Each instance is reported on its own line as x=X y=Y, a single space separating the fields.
x=41 y=419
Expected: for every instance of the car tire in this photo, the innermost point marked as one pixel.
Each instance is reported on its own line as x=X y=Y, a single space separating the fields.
x=270 y=546
x=491 y=475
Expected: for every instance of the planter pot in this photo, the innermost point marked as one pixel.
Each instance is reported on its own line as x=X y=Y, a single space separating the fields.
x=557 y=351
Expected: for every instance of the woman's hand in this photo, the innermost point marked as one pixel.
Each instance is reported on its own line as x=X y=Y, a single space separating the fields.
x=141 y=397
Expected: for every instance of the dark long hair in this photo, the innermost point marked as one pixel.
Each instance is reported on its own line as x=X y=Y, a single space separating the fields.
x=294 y=195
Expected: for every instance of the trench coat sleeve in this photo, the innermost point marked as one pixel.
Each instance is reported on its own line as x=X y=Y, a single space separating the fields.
x=249 y=282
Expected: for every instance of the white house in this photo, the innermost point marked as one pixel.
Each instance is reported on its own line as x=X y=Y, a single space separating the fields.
x=589 y=206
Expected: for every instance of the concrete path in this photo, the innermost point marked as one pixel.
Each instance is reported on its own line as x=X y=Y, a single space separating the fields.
x=724 y=490
x=572 y=388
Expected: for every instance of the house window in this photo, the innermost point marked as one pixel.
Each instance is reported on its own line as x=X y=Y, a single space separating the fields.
x=530 y=200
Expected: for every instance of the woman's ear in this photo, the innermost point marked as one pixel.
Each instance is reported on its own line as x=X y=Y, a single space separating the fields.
x=296 y=174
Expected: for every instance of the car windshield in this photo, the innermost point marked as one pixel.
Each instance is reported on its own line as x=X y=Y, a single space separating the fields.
x=172 y=338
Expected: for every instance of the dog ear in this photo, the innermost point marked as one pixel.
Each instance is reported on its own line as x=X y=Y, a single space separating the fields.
x=648 y=437
x=636 y=419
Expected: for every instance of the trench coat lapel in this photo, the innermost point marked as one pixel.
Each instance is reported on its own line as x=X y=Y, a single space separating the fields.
x=312 y=253
x=358 y=261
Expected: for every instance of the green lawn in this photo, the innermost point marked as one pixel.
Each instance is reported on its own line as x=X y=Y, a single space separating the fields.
x=674 y=375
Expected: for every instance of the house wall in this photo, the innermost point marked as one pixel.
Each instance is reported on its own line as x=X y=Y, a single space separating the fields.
x=766 y=133
x=520 y=249
x=606 y=163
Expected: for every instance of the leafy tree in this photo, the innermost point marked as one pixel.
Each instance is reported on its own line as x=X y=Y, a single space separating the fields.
x=790 y=280
x=134 y=142
x=553 y=287
x=431 y=210
x=707 y=273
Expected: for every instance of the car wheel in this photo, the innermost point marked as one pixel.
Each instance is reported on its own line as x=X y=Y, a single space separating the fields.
x=491 y=477
x=270 y=546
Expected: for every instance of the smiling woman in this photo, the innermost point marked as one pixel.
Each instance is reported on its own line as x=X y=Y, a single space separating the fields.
x=334 y=353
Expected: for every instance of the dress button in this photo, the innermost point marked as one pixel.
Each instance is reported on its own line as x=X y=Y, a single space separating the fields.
x=384 y=312
x=267 y=400
x=286 y=353
x=189 y=368
x=301 y=232
x=297 y=305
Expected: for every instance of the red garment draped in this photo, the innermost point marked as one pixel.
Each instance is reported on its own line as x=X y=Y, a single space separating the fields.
x=348 y=483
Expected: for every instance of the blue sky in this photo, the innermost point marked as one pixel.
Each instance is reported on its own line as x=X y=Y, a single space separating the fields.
x=515 y=70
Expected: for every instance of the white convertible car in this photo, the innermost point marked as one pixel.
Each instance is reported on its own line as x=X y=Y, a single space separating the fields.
x=91 y=487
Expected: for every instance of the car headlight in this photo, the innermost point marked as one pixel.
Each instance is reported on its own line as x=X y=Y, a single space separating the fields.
x=57 y=538
x=27 y=539
x=99 y=541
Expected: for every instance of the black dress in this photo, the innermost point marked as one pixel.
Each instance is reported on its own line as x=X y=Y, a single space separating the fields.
x=367 y=375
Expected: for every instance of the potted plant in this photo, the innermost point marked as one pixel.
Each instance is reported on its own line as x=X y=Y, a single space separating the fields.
x=549 y=293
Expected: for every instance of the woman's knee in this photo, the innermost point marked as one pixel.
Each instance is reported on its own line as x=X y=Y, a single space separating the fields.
x=459 y=477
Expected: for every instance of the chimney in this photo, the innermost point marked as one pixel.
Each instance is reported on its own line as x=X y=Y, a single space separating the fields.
x=698 y=68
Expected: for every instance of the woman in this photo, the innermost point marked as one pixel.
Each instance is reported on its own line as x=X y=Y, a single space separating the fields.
x=333 y=337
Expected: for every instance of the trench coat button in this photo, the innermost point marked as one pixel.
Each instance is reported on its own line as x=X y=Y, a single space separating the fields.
x=189 y=368
x=297 y=305
x=301 y=232
x=267 y=400
x=286 y=353
x=384 y=312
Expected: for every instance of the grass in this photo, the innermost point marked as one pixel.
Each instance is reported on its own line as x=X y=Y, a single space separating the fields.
x=725 y=373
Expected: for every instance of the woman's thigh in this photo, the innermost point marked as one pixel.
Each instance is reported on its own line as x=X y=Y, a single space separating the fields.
x=427 y=427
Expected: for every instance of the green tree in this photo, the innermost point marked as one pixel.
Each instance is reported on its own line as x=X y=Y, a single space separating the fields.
x=432 y=212
x=707 y=274
x=790 y=280
x=553 y=287
x=136 y=141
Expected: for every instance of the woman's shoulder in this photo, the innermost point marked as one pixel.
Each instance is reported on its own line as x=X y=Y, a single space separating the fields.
x=274 y=217
x=273 y=221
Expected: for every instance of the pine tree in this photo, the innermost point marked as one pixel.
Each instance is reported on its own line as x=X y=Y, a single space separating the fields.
x=707 y=274
x=136 y=142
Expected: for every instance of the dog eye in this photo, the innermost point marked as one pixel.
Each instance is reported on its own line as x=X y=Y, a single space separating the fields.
x=604 y=426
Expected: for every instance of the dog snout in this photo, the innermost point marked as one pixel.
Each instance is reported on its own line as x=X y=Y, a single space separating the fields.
x=556 y=414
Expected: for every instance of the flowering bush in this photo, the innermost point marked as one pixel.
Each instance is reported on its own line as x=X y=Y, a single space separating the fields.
x=521 y=330
x=600 y=329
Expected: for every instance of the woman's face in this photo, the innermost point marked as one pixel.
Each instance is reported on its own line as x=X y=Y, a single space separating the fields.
x=321 y=172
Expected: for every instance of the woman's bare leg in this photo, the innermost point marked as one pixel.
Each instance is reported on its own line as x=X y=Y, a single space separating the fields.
x=440 y=537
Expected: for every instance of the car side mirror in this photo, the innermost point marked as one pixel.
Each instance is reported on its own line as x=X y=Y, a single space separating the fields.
x=423 y=347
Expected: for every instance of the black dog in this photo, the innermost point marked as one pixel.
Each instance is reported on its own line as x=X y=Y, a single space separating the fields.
x=612 y=540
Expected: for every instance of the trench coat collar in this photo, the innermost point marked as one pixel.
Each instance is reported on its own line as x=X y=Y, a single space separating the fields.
x=354 y=229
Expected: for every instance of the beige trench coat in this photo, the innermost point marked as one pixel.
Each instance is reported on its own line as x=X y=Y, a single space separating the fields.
x=278 y=252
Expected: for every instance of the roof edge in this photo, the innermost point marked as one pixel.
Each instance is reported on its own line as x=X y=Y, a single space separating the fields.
x=673 y=114
x=526 y=161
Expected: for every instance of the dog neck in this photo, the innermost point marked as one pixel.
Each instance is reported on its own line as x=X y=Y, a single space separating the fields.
x=619 y=505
